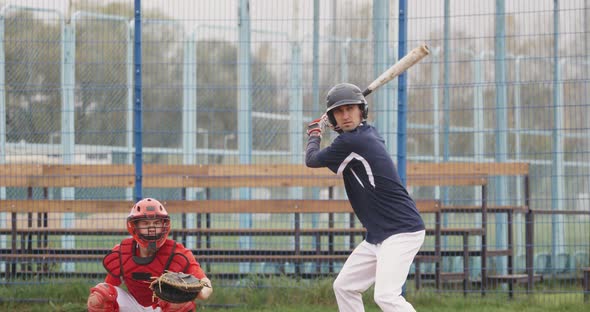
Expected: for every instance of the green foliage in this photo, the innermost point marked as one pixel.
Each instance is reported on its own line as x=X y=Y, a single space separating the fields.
x=65 y=296
x=32 y=108
x=271 y=294
x=101 y=91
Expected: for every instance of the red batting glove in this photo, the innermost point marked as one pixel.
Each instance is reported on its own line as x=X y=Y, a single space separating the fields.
x=314 y=128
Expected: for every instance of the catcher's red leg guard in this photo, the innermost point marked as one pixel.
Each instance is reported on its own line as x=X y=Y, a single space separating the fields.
x=103 y=298
x=177 y=307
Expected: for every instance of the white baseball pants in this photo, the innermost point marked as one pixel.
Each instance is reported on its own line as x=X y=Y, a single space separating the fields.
x=128 y=304
x=386 y=265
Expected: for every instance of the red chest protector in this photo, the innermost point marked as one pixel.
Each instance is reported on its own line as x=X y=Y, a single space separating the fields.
x=136 y=272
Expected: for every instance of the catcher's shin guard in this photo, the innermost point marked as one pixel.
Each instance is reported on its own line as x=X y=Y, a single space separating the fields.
x=103 y=298
x=177 y=307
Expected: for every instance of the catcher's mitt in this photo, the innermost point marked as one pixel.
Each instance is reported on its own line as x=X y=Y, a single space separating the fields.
x=177 y=287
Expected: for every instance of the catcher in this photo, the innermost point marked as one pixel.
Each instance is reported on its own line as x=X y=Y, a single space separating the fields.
x=159 y=273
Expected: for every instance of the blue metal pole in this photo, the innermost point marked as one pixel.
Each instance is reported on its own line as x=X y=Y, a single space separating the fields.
x=244 y=113
x=130 y=100
x=501 y=131
x=137 y=111
x=2 y=105
x=3 y=215
x=189 y=125
x=557 y=174
x=446 y=114
x=402 y=101
x=381 y=61
x=316 y=59
x=446 y=82
x=245 y=84
x=402 y=94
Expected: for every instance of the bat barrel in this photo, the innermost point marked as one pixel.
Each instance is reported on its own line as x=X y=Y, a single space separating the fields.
x=398 y=68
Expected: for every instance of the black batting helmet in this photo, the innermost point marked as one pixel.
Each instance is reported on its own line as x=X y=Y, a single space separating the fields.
x=344 y=94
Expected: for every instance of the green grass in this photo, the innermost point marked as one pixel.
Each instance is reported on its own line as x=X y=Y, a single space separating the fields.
x=266 y=295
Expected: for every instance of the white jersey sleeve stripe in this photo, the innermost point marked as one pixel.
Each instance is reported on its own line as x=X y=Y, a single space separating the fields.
x=365 y=163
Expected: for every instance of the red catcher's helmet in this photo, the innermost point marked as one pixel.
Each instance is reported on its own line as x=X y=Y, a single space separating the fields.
x=148 y=209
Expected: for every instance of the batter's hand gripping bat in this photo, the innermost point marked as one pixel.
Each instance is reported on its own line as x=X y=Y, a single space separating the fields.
x=415 y=56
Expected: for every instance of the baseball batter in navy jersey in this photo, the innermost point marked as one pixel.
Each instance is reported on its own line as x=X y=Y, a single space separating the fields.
x=395 y=230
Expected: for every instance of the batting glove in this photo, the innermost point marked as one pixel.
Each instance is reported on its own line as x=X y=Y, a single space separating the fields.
x=315 y=128
x=328 y=124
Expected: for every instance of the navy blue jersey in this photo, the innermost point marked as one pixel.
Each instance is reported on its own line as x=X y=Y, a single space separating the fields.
x=372 y=183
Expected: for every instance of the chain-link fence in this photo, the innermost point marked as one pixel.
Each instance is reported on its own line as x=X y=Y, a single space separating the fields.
x=225 y=84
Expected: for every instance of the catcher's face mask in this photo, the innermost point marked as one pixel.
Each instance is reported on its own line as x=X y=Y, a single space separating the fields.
x=152 y=229
x=149 y=223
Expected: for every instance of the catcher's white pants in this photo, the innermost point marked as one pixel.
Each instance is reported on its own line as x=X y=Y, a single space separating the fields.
x=128 y=304
x=386 y=265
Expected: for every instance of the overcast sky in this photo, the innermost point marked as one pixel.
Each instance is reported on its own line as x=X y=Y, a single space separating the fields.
x=294 y=17
x=283 y=10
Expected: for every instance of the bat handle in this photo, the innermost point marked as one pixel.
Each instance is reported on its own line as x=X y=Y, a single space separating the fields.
x=367 y=92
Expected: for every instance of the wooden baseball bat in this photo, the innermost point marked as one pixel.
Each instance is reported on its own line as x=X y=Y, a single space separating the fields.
x=413 y=57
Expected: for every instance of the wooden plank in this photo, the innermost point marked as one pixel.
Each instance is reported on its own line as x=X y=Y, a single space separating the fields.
x=459 y=168
x=196 y=206
x=257 y=206
x=73 y=231
x=490 y=209
x=16 y=175
x=426 y=258
x=503 y=252
x=428 y=206
x=176 y=176
x=461 y=231
x=200 y=251
x=79 y=206
x=51 y=257
x=174 y=170
x=179 y=206
x=14 y=181
x=273 y=175
x=265 y=258
x=88 y=170
x=82 y=181
x=268 y=231
x=446 y=180
x=447 y=168
x=267 y=170
x=241 y=181
x=462 y=208
x=560 y=212
x=160 y=177
x=514 y=277
x=31 y=175
x=20 y=170
x=195 y=231
x=420 y=169
x=217 y=258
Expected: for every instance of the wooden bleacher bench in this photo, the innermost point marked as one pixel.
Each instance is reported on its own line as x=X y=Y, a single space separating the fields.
x=233 y=176
x=452 y=175
x=203 y=254
x=477 y=174
x=165 y=176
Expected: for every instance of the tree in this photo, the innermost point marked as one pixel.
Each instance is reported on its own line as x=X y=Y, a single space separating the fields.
x=32 y=77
